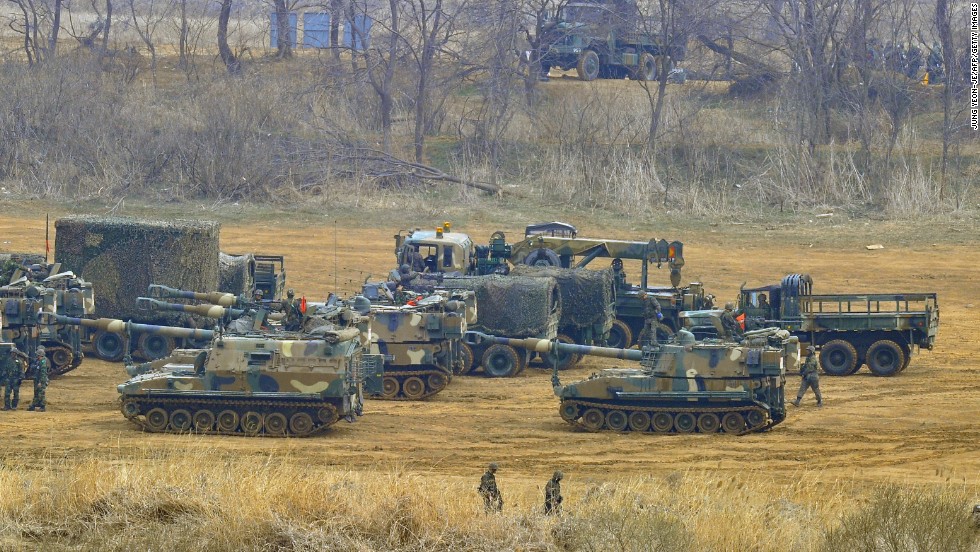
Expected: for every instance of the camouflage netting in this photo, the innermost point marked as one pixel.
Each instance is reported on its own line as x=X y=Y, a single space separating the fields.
x=586 y=295
x=234 y=274
x=9 y=262
x=511 y=306
x=122 y=256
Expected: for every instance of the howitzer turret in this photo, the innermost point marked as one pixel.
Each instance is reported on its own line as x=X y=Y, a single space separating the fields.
x=682 y=386
x=255 y=384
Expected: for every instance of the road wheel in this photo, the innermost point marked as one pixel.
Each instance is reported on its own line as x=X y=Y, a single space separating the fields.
x=327 y=415
x=413 y=388
x=180 y=420
x=620 y=335
x=389 y=387
x=662 y=422
x=466 y=359
x=228 y=421
x=154 y=346
x=593 y=419
x=156 y=419
x=568 y=412
x=588 y=66
x=566 y=359
x=646 y=70
x=685 y=422
x=885 y=358
x=708 y=423
x=437 y=382
x=755 y=418
x=733 y=422
x=108 y=346
x=203 y=421
x=301 y=424
x=252 y=423
x=617 y=420
x=60 y=358
x=838 y=358
x=275 y=424
x=639 y=421
x=500 y=361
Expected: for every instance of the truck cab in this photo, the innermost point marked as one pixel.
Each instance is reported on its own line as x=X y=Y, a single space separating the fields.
x=436 y=251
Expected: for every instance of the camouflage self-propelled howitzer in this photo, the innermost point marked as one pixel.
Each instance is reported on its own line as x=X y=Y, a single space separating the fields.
x=421 y=344
x=247 y=384
x=681 y=387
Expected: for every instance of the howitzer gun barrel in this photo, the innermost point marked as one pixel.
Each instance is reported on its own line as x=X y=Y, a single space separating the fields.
x=547 y=346
x=121 y=326
x=209 y=311
x=214 y=297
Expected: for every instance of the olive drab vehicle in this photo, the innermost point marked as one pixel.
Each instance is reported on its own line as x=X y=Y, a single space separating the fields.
x=42 y=288
x=679 y=387
x=269 y=384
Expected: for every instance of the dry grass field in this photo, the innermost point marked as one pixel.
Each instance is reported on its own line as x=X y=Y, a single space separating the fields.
x=902 y=451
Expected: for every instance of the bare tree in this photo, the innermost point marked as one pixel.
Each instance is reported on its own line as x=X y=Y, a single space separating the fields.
x=147 y=22
x=284 y=46
x=375 y=62
x=228 y=57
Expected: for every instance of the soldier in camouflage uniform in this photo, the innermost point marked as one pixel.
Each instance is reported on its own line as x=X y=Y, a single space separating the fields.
x=651 y=317
x=492 y=501
x=293 y=317
x=8 y=360
x=811 y=377
x=552 y=494
x=40 y=380
x=728 y=322
x=13 y=373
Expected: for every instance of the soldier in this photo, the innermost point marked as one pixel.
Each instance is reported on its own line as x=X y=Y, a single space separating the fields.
x=414 y=259
x=40 y=380
x=257 y=296
x=618 y=273
x=293 y=317
x=651 y=316
x=492 y=501
x=810 y=377
x=13 y=376
x=763 y=302
x=552 y=494
x=728 y=322
x=709 y=302
x=406 y=274
x=8 y=360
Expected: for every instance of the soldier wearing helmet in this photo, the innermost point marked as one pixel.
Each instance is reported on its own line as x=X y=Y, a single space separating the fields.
x=810 y=377
x=492 y=501
x=40 y=381
x=552 y=494
x=406 y=274
x=731 y=326
x=11 y=374
x=293 y=319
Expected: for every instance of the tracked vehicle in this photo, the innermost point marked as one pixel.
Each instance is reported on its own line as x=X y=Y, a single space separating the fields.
x=250 y=384
x=679 y=387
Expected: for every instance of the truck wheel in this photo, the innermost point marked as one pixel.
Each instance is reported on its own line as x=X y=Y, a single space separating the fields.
x=907 y=349
x=646 y=70
x=838 y=358
x=885 y=358
x=620 y=335
x=466 y=359
x=500 y=361
x=565 y=359
x=542 y=257
x=154 y=346
x=108 y=346
x=588 y=66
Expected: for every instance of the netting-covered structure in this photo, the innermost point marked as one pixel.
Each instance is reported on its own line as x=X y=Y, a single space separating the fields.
x=587 y=296
x=513 y=306
x=122 y=256
x=235 y=273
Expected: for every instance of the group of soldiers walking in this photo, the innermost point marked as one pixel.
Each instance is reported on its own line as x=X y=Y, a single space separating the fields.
x=493 y=502
x=12 y=364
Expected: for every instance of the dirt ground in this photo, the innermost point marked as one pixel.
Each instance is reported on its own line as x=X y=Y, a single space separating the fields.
x=918 y=427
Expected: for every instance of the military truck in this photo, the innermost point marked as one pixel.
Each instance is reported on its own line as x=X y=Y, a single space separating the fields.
x=681 y=387
x=251 y=384
x=881 y=330
x=606 y=39
x=557 y=244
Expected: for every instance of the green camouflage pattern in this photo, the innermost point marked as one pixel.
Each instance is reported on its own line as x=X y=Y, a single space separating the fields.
x=684 y=386
x=262 y=384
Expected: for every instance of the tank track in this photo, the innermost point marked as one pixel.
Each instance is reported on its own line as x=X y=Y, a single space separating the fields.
x=65 y=367
x=432 y=381
x=291 y=418
x=753 y=419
